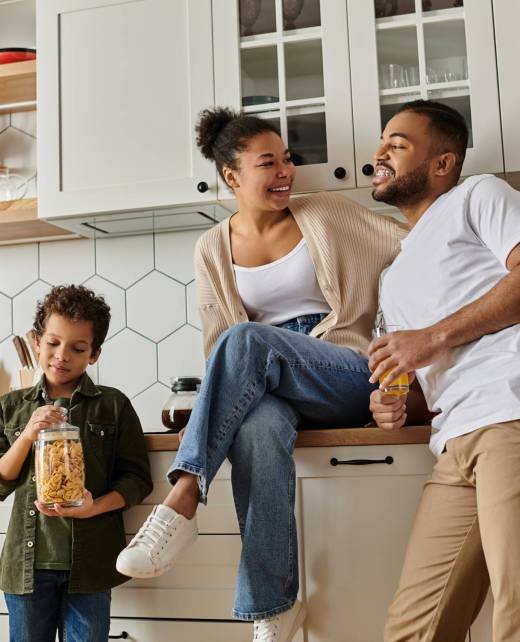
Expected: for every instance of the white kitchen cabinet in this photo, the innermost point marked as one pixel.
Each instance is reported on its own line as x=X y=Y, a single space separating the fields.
x=355 y=79
x=431 y=49
x=355 y=522
x=120 y=85
x=353 y=527
x=507 y=21
x=288 y=62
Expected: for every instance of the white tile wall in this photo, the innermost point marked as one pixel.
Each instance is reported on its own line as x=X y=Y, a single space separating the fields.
x=148 y=282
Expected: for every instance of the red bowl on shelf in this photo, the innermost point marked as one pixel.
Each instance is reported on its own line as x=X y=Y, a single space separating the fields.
x=16 y=54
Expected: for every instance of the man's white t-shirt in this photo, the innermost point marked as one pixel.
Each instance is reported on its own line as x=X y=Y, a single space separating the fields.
x=457 y=252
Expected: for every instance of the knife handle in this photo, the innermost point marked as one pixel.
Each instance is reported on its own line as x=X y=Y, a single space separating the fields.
x=20 y=351
x=27 y=352
x=31 y=340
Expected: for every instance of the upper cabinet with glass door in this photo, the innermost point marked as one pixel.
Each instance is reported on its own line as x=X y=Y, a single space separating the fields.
x=443 y=50
x=287 y=62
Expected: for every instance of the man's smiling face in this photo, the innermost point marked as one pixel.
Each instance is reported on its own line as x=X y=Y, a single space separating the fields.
x=404 y=161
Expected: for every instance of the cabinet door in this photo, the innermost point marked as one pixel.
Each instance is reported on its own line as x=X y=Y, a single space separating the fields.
x=507 y=19
x=120 y=84
x=443 y=50
x=355 y=522
x=287 y=62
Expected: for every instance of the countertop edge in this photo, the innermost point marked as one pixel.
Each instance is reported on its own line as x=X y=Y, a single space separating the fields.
x=322 y=438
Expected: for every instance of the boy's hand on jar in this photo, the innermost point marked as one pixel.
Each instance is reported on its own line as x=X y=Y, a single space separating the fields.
x=42 y=417
x=78 y=512
x=389 y=411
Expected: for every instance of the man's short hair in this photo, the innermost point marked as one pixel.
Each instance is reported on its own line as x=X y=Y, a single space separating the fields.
x=77 y=303
x=448 y=126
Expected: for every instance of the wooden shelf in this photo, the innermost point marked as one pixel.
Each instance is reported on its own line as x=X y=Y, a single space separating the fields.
x=19 y=223
x=18 y=86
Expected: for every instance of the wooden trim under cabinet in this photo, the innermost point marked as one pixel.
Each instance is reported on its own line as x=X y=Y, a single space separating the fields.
x=17 y=85
x=19 y=223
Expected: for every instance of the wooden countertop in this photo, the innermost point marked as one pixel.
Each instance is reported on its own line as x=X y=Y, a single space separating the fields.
x=329 y=437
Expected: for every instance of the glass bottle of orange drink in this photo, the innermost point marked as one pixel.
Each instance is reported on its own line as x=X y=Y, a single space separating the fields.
x=399 y=386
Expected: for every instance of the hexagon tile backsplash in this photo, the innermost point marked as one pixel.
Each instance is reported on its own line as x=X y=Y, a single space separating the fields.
x=148 y=282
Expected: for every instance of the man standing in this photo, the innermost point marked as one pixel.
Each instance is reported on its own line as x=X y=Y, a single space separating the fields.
x=455 y=288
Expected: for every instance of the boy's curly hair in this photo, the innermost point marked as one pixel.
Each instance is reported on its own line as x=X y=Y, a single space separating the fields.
x=77 y=303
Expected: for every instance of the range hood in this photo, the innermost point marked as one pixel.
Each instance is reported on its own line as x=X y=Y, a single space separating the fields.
x=144 y=221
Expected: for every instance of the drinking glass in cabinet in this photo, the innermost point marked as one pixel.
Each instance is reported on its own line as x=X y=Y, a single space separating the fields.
x=303 y=70
x=445 y=51
x=256 y=17
x=387 y=8
x=301 y=14
x=259 y=75
x=398 y=57
x=307 y=135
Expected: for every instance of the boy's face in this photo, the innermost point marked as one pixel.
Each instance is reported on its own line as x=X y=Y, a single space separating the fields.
x=65 y=351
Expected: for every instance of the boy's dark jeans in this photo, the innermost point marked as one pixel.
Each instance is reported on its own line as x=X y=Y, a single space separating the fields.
x=78 y=617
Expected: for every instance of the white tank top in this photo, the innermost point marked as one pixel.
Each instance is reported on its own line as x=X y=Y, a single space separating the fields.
x=281 y=290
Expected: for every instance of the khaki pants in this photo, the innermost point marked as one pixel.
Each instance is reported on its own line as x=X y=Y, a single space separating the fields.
x=466 y=535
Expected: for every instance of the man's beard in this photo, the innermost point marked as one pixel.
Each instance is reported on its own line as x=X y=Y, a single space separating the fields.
x=405 y=190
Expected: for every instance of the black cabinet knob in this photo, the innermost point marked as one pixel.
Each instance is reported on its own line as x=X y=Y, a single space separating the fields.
x=122 y=636
x=367 y=169
x=340 y=172
x=202 y=187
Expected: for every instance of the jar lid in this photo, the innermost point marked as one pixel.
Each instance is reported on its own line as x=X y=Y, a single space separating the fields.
x=185 y=384
x=56 y=433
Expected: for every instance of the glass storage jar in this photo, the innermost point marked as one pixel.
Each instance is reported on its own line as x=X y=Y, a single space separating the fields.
x=59 y=465
x=177 y=409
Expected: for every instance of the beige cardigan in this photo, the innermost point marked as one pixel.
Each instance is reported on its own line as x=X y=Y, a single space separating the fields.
x=349 y=246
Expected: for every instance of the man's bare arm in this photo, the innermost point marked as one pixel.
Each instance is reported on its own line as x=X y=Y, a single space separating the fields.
x=412 y=349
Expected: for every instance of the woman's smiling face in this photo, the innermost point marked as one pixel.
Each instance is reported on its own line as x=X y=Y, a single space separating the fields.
x=265 y=174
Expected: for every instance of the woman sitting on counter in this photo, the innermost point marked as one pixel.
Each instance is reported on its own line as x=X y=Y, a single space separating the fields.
x=287 y=294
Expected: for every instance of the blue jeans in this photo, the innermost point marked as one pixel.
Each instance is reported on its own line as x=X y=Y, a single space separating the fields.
x=261 y=382
x=78 y=617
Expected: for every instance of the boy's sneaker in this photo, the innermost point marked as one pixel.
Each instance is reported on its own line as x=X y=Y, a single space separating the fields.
x=157 y=544
x=281 y=628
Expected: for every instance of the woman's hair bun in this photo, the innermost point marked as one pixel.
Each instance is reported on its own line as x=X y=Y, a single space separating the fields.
x=211 y=123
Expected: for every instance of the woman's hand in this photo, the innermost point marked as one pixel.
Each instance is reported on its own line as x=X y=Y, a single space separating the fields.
x=78 y=512
x=180 y=434
x=389 y=411
x=42 y=417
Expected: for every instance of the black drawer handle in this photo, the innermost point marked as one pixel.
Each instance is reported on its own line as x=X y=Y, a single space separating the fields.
x=122 y=636
x=361 y=462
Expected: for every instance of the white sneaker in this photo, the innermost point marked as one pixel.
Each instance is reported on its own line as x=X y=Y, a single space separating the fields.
x=281 y=628
x=157 y=544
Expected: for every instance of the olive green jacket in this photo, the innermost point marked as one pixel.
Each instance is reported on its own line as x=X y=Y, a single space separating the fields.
x=115 y=459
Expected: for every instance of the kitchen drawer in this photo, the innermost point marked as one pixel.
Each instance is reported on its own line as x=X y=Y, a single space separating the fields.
x=409 y=459
x=167 y=631
x=4 y=627
x=201 y=585
x=218 y=517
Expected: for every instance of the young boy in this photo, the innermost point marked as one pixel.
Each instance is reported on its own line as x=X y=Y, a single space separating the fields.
x=58 y=564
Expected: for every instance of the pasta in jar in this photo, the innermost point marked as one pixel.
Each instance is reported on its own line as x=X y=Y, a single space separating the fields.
x=59 y=466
